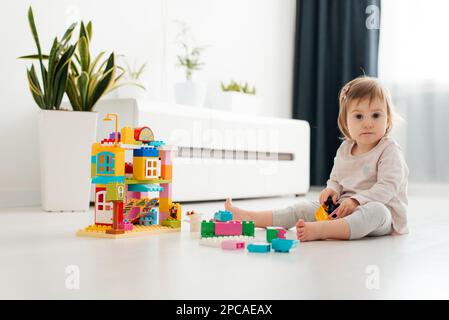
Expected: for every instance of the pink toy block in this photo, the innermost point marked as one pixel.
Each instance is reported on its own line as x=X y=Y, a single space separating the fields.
x=281 y=233
x=162 y=216
x=126 y=226
x=232 y=244
x=165 y=156
x=229 y=228
x=166 y=193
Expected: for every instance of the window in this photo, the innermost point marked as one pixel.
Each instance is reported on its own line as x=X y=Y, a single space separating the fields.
x=105 y=163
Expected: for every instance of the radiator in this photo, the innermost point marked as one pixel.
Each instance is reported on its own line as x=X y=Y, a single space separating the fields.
x=221 y=154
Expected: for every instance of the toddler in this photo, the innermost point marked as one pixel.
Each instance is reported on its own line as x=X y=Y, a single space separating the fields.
x=368 y=180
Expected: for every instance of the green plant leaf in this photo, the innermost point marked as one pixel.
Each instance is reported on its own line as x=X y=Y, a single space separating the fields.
x=34 y=57
x=89 y=30
x=82 y=84
x=72 y=93
x=83 y=49
x=38 y=45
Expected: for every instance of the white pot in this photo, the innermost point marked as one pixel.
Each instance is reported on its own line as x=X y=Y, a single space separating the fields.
x=190 y=93
x=238 y=102
x=65 y=141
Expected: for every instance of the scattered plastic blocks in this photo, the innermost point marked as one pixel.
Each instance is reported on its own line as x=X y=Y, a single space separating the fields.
x=223 y=215
x=275 y=232
x=232 y=244
x=260 y=247
x=283 y=245
x=230 y=228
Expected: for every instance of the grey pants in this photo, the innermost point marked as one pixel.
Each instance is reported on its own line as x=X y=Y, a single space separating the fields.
x=371 y=219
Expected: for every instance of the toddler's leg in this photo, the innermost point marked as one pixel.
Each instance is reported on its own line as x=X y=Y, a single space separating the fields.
x=371 y=219
x=261 y=219
x=286 y=218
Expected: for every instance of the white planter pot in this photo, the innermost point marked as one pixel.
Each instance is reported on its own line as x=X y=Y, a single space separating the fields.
x=190 y=93
x=65 y=141
x=238 y=102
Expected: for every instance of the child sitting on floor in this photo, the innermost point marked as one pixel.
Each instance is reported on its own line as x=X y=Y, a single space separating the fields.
x=368 y=180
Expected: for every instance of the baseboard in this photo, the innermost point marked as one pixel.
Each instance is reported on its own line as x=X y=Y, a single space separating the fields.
x=19 y=198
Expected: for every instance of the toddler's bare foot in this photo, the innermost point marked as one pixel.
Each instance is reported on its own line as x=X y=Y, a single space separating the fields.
x=236 y=212
x=308 y=231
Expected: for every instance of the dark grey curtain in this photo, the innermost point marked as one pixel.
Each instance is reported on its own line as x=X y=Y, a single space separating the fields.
x=336 y=41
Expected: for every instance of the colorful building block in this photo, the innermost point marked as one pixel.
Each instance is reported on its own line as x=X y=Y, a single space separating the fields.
x=283 y=245
x=232 y=245
x=166 y=172
x=121 y=200
x=144 y=134
x=260 y=247
x=127 y=135
x=275 y=232
x=229 y=228
x=115 y=191
x=248 y=228
x=207 y=228
x=223 y=215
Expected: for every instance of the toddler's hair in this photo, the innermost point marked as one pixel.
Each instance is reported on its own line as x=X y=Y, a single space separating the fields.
x=360 y=88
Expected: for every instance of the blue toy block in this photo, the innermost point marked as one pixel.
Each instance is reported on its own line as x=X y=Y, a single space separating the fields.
x=223 y=215
x=106 y=180
x=260 y=247
x=283 y=245
x=144 y=187
x=112 y=136
x=157 y=143
x=93 y=159
x=146 y=152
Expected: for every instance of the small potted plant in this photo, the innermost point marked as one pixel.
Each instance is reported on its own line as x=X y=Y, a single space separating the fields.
x=238 y=97
x=65 y=136
x=189 y=92
x=134 y=74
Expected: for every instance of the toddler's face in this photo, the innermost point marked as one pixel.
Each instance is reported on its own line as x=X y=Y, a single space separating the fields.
x=367 y=123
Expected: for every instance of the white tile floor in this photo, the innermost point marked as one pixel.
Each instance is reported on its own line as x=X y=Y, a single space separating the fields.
x=36 y=248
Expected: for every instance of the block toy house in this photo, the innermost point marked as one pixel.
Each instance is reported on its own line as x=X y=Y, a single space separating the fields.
x=122 y=205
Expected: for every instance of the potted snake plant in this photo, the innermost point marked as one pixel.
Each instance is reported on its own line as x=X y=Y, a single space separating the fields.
x=189 y=92
x=65 y=136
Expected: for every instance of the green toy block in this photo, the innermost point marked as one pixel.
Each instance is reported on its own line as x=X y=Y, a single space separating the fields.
x=207 y=228
x=271 y=234
x=248 y=228
x=115 y=191
x=172 y=223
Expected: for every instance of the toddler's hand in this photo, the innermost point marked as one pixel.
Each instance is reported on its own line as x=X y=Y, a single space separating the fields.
x=326 y=193
x=346 y=208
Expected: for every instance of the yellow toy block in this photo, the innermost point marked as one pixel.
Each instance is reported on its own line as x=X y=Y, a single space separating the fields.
x=321 y=214
x=127 y=135
x=164 y=204
x=110 y=160
x=146 y=168
x=175 y=211
x=166 y=172
x=138 y=231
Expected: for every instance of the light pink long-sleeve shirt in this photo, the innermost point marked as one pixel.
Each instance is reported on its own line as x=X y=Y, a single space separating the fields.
x=379 y=175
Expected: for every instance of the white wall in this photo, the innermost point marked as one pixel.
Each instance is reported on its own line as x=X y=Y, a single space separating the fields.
x=250 y=40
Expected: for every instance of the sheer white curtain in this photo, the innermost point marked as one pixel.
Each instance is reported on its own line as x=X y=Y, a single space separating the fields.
x=414 y=63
